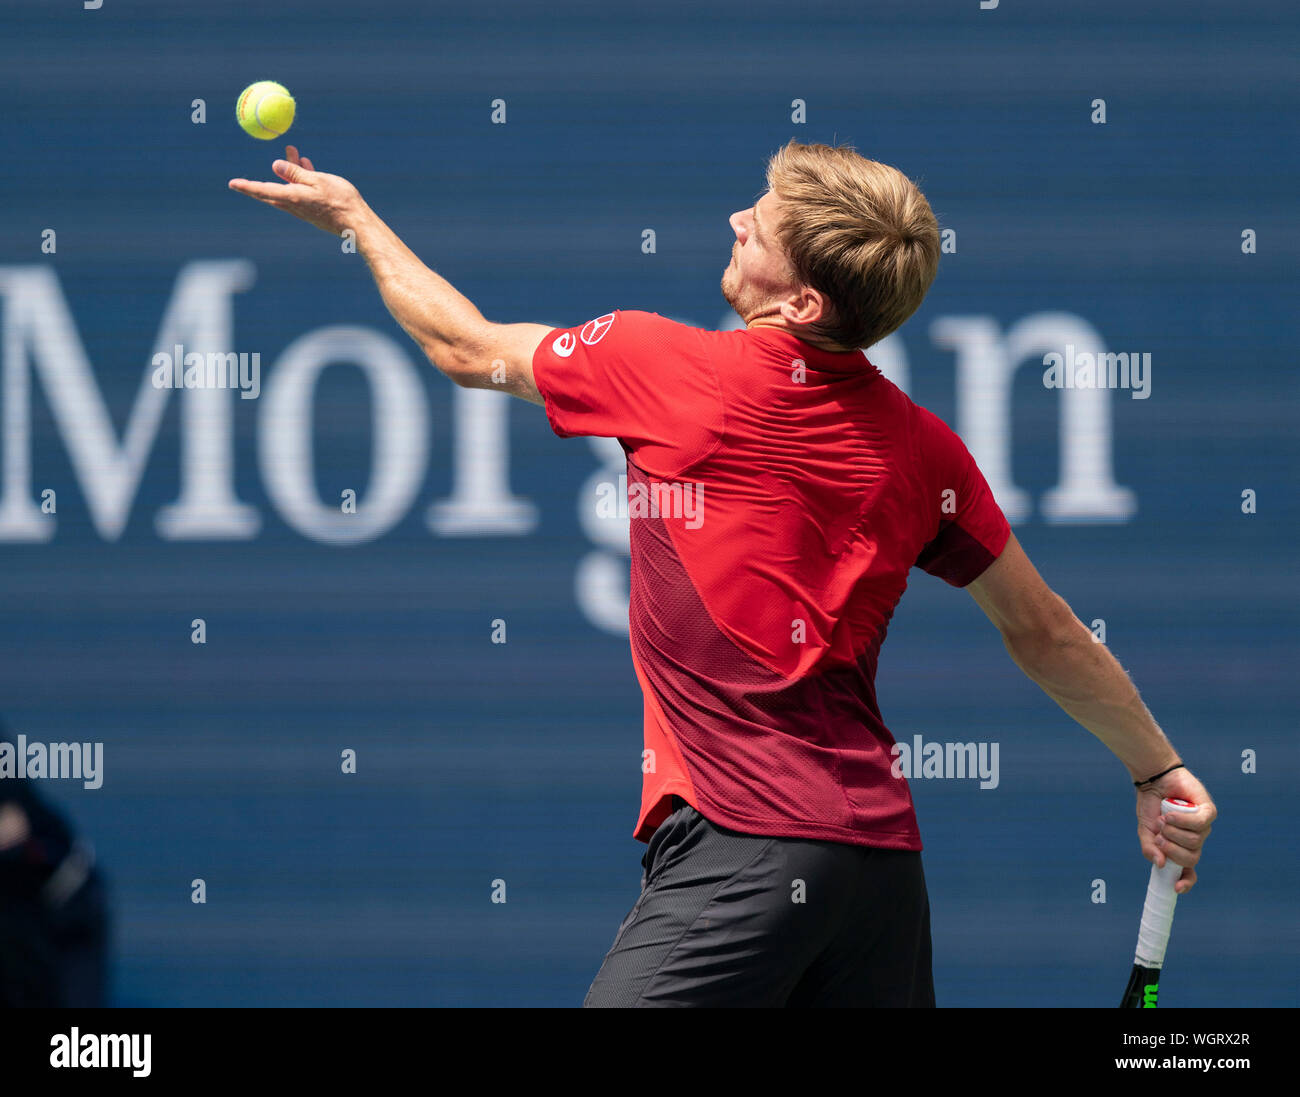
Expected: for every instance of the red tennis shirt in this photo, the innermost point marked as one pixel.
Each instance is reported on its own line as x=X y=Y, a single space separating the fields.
x=778 y=495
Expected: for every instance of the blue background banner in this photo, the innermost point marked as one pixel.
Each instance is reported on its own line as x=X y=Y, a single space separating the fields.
x=520 y=762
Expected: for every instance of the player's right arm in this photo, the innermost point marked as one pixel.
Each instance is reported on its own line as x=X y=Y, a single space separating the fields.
x=500 y=357
x=1058 y=652
x=443 y=322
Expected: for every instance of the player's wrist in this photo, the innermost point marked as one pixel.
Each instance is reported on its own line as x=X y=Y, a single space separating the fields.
x=1142 y=768
x=1146 y=783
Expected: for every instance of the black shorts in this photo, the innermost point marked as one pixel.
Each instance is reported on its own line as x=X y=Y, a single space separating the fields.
x=731 y=919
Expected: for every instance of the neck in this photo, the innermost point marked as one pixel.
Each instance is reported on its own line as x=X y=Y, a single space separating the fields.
x=765 y=320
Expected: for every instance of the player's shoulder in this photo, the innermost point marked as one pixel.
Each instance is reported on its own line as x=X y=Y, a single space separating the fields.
x=922 y=419
x=645 y=330
x=926 y=419
x=649 y=319
x=942 y=445
x=931 y=433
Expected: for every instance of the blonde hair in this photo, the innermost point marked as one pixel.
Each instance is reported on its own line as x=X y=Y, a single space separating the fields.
x=859 y=232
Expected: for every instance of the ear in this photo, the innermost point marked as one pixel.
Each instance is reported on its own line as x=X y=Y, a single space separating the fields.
x=807 y=306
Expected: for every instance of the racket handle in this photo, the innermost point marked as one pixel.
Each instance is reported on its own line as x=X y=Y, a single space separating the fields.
x=1158 y=911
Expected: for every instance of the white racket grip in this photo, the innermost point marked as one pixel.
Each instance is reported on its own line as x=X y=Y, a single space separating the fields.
x=1158 y=911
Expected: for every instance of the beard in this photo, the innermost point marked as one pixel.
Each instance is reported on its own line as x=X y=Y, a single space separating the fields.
x=731 y=290
x=747 y=299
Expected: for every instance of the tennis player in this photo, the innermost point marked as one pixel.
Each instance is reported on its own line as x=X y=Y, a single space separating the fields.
x=785 y=490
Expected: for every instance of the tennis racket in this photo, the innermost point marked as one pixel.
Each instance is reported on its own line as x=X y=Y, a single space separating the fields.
x=1157 y=920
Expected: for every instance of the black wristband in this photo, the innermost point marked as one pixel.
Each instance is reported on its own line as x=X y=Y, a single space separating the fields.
x=1139 y=784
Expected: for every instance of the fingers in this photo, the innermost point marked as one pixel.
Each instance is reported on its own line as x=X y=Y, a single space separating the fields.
x=1182 y=847
x=293 y=171
x=273 y=193
x=1181 y=837
x=1161 y=852
x=291 y=154
x=326 y=201
x=264 y=191
x=1176 y=851
x=1176 y=837
x=1177 y=830
x=1148 y=835
x=289 y=171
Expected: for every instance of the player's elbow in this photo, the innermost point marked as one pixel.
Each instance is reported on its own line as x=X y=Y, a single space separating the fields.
x=465 y=359
x=450 y=362
x=461 y=376
x=1038 y=638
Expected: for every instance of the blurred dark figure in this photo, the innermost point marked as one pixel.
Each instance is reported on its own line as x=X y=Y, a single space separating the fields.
x=53 y=907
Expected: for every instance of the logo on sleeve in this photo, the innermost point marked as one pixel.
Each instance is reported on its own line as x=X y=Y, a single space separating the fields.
x=565 y=344
x=593 y=331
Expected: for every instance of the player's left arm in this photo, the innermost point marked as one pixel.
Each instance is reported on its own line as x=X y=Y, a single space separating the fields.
x=1057 y=651
x=447 y=327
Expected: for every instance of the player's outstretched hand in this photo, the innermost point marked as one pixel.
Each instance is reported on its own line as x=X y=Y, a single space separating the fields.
x=1175 y=837
x=329 y=202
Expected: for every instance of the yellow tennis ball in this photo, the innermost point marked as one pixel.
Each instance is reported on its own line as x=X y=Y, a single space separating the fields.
x=265 y=110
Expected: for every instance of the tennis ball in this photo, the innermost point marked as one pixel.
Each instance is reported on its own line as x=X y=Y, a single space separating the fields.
x=265 y=110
